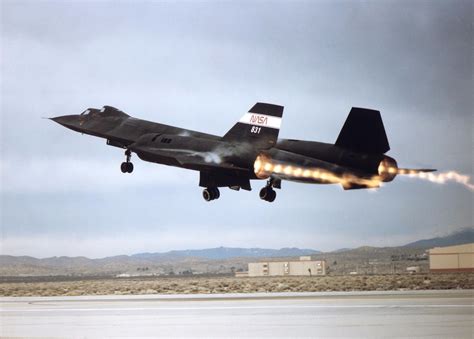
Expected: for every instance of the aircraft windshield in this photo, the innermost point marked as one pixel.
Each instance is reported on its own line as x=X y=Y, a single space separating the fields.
x=111 y=111
x=104 y=112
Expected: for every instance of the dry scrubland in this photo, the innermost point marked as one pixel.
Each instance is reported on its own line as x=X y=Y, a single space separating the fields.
x=239 y=285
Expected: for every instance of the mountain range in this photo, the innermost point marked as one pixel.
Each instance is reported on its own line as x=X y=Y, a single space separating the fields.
x=212 y=260
x=220 y=253
x=460 y=237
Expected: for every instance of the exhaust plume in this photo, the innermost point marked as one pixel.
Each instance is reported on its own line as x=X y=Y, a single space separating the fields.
x=265 y=167
x=440 y=178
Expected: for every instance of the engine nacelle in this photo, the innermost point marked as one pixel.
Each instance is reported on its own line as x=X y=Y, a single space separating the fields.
x=388 y=169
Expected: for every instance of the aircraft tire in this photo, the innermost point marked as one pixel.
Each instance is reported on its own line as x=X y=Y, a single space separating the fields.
x=210 y=194
x=272 y=196
x=124 y=167
x=129 y=167
x=263 y=193
x=268 y=194
x=206 y=194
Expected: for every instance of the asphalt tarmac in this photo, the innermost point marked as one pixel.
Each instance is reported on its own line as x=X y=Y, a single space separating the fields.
x=432 y=314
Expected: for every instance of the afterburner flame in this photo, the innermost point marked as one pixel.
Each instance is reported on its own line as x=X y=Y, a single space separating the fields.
x=387 y=169
x=264 y=167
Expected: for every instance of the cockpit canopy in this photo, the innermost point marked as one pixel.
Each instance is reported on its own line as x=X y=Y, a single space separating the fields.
x=105 y=111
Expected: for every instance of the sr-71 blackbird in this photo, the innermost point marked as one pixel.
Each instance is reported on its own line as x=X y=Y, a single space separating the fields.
x=251 y=150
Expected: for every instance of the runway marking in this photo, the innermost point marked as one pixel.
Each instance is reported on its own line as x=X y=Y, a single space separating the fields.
x=316 y=296
x=229 y=308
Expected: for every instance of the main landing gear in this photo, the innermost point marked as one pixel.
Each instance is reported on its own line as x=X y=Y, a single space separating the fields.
x=268 y=193
x=211 y=193
x=127 y=166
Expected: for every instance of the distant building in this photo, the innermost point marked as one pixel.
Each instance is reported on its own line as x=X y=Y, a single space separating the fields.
x=304 y=266
x=458 y=258
x=413 y=269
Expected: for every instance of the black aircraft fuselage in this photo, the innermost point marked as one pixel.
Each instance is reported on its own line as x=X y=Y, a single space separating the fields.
x=250 y=150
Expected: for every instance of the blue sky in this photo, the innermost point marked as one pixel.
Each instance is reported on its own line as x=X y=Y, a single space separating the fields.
x=201 y=66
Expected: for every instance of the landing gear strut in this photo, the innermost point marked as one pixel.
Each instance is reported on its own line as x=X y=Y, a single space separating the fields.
x=211 y=193
x=127 y=166
x=268 y=193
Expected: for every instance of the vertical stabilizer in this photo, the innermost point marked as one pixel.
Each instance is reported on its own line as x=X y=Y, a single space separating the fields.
x=259 y=127
x=363 y=132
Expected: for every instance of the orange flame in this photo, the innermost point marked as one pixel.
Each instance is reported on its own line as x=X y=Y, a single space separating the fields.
x=264 y=167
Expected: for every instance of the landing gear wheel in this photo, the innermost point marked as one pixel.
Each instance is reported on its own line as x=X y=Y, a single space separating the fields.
x=268 y=194
x=127 y=166
x=272 y=196
x=216 y=193
x=124 y=167
x=206 y=195
x=211 y=193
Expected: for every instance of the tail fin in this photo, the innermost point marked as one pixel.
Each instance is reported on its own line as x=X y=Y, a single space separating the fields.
x=260 y=126
x=363 y=131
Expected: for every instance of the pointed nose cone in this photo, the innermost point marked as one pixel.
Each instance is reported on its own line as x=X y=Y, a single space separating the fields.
x=69 y=121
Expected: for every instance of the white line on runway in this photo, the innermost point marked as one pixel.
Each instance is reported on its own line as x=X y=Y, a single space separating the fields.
x=229 y=308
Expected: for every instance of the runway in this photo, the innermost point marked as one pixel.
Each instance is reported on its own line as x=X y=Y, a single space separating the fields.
x=436 y=314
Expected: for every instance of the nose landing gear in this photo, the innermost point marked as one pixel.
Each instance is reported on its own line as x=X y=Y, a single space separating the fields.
x=211 y=193
x=127 y=166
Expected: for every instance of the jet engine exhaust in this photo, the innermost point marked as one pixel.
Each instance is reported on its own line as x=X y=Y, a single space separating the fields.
x=389 y=170
x=265 y=167
x=439 y=178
